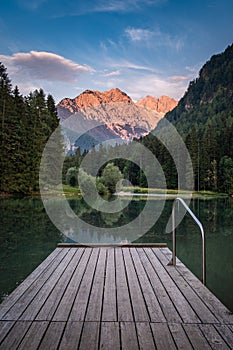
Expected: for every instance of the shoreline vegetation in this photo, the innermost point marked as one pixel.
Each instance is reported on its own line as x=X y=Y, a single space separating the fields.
x=75 y=192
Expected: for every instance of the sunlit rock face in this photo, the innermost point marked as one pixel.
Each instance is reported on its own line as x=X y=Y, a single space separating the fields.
x=120 y=117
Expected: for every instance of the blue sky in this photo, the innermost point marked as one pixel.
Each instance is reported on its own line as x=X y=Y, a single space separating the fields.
x=147 y=47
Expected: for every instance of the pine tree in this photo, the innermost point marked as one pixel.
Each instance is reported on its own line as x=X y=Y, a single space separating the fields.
x=26 y=124
x=6 y=121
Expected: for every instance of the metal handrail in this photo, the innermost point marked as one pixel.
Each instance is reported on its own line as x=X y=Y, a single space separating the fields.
x=173 y=260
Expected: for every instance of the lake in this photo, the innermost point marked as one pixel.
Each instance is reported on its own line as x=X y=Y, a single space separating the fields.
x=27 y=237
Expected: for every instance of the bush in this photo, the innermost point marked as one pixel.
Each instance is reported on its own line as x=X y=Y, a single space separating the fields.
x=111 y=176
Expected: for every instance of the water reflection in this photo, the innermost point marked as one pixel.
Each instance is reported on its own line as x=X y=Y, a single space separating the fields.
x=27 y=236
x=82 y=224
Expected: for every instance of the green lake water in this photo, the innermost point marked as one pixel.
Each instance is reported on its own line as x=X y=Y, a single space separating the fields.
x=27 y=237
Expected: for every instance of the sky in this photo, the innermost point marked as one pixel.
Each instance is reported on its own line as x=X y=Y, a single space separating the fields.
x=143 y=47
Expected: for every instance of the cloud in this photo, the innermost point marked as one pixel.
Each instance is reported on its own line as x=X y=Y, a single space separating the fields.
x=124 y=64
x=154 y=38
x=79 y=8
x=178 y=78
x=168 y=40
x=31 y=5
x=125 y=5
x=112 y=74
x=138 y=34
x=44 y=66
x=152 y=84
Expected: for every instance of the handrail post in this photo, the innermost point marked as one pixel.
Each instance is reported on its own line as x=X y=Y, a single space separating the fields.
x=173 y=260
x=173 y=235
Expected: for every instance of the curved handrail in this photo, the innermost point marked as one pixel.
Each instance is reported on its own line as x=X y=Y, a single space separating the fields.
x=173 y=260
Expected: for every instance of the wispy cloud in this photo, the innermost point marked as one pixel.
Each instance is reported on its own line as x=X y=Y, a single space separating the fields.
x=75 y=8
x=139 y=34
x=44 y=66
x=155 y=85
x=124 y=64
x=31 y=4
x=112 y=74
x=168 y=40
x=154 y=38
x=112 y=6
x=179 y=78
x=125 y=5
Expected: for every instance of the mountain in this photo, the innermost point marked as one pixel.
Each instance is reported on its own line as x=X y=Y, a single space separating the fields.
x=209 y=98
x=204 y=118
x=114 y=116
x=162 y=104
x=90 y=98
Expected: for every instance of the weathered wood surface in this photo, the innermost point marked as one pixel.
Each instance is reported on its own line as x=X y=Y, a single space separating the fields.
x=113 y=298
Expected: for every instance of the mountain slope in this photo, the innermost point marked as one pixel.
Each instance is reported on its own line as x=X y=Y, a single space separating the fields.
x=209 y=98
x=204 y=118
x=115 y=113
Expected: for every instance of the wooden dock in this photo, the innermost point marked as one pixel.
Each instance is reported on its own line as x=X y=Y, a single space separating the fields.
x=113 y=298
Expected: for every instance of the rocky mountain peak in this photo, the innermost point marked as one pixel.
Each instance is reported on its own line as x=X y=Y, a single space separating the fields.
x=93 y=98
x=119 y=116
x=162 y=104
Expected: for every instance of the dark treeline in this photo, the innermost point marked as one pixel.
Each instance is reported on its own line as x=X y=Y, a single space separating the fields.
x=25 y=126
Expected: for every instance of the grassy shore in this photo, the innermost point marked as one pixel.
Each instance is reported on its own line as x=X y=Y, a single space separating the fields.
x=64 y=190
x=140 y=190
x=74 y=192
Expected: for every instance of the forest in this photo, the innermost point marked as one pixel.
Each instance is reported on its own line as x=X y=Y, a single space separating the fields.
x=26 y=123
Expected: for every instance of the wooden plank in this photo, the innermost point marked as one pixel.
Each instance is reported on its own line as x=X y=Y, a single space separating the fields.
x=153 y=306
x=96 y=297
x=66 y=303
x=196 y=337
x=225 y=333
x=129 y=339
x=17 y=309
x=124 y=308
x=180 y=337
x=204 y=314
x=109 y=336
x=113 y=245
x=162 y=336
x=181 y=304
x=211 y=301
x=145 y=337
x=109 y=312
x=52 y=336
x=32 y=339
x=22 y=288
x=166 y=304
x=90 y=336
x=15 y=336
x=52 y=301
x=215 y=340
x=35 y=305
x=79 y=307
x=71 y=337
x=114 y=284
x=5 y=327
x=137 y=299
